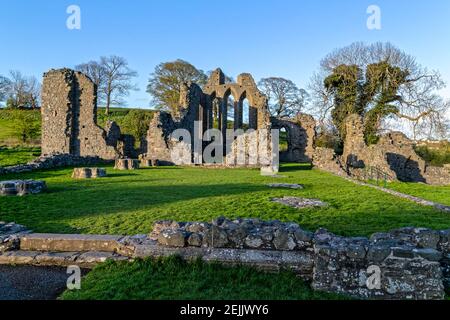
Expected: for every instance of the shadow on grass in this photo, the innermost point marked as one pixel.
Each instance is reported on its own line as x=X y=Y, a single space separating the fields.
x=51 y=210
x=295 y=167
x=121 y=174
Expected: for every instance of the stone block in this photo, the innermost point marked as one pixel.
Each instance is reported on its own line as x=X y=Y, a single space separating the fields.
x=69 y=242
x=87 y=173
x=126 y=164
x=21 y=187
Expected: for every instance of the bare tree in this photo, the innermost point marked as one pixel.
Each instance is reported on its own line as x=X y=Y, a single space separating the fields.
x=418 y=102
x=34 y=92
x=112 y=76
x=118 y=80
x=97 y=73
x=285 y=98
x=5 y=84
x=22 y=91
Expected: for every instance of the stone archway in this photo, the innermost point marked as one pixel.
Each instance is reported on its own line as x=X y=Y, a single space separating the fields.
x=300 y=134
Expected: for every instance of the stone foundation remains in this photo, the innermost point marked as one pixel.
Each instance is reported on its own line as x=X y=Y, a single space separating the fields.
x=126 y=164
x=10 y=234
x=300 y=203
x=88 y=173
x=21 y=187
x=51 y=162
x=407 y=263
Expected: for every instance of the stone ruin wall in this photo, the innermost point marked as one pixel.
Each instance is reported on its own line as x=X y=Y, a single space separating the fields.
x=69 y=118
x=197 y=105
x=69 y=124
x=393 y=156
x=57 y=92
x=301 y=132
x=412 y=263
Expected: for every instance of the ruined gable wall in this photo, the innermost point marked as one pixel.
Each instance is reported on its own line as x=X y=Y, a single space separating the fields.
x=57 y=112
x=69 y=126
x=196 y=104
x=92 y=138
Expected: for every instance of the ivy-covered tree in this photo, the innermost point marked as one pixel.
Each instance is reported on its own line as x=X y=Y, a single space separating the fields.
x=373 y=94
x=385 y=85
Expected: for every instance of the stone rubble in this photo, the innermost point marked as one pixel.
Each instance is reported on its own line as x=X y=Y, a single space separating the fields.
x=52 y=161
x=286 y=186
x=300 y=203
x=21 y=187
x=10 y=234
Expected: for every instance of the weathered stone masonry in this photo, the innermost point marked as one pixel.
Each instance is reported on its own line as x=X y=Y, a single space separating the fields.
x=393 y=156
x=414 y=263
x=69 y=118
x=301 y=132
x=199 y=105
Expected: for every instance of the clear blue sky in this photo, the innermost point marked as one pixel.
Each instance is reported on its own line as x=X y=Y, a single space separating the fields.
x=284 y=38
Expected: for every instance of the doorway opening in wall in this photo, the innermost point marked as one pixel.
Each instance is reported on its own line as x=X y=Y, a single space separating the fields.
x=283 y=140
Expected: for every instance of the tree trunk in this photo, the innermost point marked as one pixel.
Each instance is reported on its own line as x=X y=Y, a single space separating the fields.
x=107 y=105
x=108 y=98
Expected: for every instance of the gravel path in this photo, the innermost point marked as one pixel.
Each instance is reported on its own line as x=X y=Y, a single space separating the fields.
x=417 y=200
x=32 y=283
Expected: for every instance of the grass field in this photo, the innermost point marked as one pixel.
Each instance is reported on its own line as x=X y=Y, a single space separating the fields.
x=17 y=155
x=148 y=279
x=7 y=133
x=130 y=202
x=440 y=194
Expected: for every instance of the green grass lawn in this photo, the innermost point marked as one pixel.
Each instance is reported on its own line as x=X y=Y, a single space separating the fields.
x=17 y=155
x=148 y=279
x=7 y=132
x=130 y=202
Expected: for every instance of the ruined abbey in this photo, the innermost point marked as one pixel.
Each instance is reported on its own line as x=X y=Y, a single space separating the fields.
x=69 y=127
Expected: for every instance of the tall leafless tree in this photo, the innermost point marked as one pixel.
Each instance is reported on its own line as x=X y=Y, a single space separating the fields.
x=20 y=91
x=285 y=98
x=113 y=78
x=5 y=84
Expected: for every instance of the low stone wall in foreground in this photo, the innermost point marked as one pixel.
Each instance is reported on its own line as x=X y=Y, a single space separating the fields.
x=407 y=263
